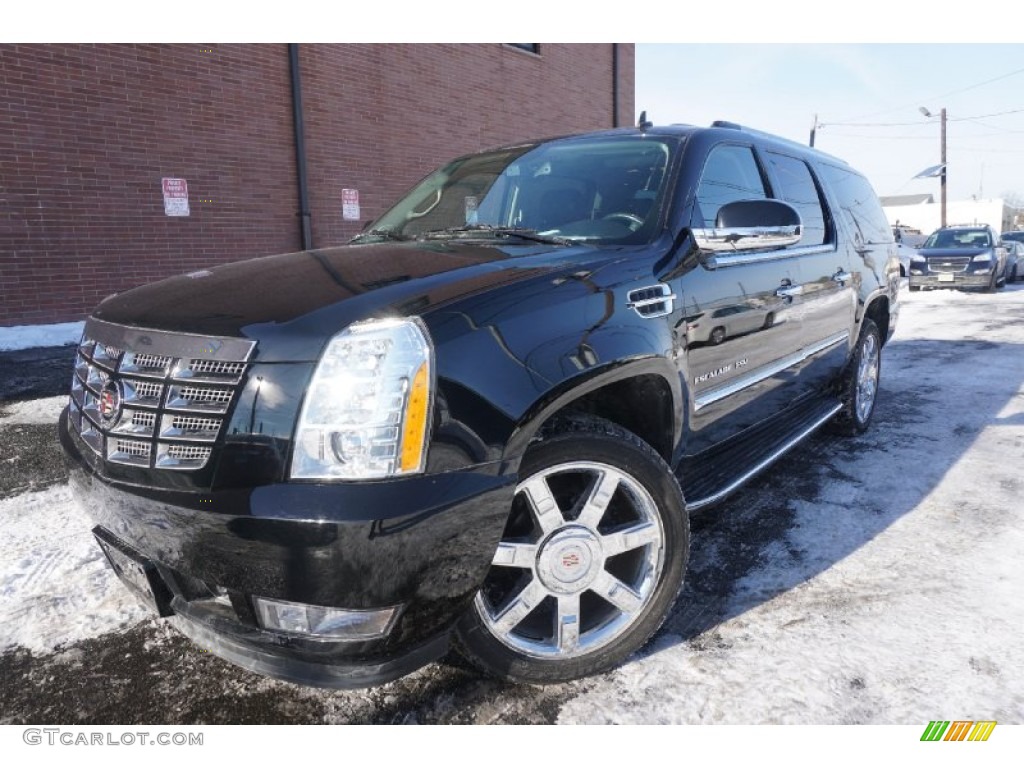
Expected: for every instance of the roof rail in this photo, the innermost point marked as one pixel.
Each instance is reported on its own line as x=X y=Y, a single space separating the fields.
x=726 y=124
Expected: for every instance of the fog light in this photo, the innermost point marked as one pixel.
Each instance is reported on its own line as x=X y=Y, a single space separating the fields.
x=320 y=623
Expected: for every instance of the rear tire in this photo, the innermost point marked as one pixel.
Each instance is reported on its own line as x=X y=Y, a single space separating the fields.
x=858 y=387
x=590 y=562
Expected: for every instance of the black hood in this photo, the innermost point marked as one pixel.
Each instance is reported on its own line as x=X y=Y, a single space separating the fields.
x=291 y=304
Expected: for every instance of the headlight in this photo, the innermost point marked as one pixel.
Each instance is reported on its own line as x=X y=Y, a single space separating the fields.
x=982 y=258
x=367 y=408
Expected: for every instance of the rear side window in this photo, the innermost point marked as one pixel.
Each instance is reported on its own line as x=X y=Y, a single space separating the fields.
x=730 y=174
x=858 y=203
x=797 y=187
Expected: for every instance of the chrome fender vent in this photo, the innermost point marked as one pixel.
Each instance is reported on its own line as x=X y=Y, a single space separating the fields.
x=652 y=301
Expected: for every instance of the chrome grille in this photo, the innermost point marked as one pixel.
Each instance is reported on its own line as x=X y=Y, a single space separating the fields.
x=216 y=368
x=949 y=263
x=204 y=399
x=182 y=456
x=173 y=395
x=136 y=423
x=145 y=364
x=197 y=428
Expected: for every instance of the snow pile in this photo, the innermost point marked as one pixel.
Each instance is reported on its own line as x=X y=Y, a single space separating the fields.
x=31 y=336
x=43 y=411
x=55 y=584
x=895 y=595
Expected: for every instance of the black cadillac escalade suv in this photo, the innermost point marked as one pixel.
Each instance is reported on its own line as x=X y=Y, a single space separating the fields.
x=485 y=422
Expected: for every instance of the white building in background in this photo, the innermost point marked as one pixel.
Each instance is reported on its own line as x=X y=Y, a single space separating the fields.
x=924 y=213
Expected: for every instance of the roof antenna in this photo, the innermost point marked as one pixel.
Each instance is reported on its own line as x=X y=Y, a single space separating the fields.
x=643 y=123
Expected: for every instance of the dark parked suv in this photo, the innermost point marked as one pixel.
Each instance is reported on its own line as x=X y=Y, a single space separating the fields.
x=968 y=256
x=484 y=422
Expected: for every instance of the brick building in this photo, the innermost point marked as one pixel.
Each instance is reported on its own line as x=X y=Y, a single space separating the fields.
x=88 y=133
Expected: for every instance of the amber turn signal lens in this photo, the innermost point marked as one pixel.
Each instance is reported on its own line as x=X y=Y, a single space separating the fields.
x=415 y=427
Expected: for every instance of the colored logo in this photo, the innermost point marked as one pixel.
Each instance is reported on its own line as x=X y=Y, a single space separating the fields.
x=109 y=404
x=570 y=560
x=958 y=730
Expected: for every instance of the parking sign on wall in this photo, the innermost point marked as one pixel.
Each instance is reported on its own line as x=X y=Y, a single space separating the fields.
x=175 y=197
x=350 y=204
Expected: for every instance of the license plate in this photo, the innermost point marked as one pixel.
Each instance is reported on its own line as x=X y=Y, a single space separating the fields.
x=945 y=278
x=136 y=572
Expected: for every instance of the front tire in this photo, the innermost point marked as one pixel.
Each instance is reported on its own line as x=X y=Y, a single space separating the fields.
x=590 y=561
x=858 y=387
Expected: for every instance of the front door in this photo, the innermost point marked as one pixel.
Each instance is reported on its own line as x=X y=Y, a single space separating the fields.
x=741 y=327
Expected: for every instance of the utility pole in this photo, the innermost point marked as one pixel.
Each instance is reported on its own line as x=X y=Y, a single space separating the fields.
x=942 y=139
x=814 y=130
x=942 y=119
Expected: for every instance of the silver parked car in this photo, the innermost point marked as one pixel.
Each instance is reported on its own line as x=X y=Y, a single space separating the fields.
x=1014 y=270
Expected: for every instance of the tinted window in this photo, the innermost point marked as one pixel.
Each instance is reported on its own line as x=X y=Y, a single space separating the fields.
x=797 y=187
x=730 y=174
x=858 y=203
x=959 y=238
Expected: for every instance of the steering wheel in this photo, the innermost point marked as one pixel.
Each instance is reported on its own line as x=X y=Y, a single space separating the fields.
x=631 y=220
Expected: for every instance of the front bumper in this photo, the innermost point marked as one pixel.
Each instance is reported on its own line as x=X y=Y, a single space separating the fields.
x=424 y=543
x=959 y=280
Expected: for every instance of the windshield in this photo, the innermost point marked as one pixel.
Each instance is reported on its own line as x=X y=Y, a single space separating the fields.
x=959 y=238
x=601 y=190
x=1014 y=236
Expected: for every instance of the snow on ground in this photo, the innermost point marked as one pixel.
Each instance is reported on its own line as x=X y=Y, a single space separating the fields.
x=895 y=596
x=44 y=411
x=30 y=336
x=55 y=584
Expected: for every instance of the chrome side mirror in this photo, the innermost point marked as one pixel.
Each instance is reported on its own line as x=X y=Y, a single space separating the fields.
x=751 y=225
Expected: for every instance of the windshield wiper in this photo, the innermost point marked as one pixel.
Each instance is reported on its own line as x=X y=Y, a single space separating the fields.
x=489 y=230
x=383 y=234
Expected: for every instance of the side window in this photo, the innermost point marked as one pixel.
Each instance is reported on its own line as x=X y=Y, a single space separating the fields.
x=858 y=203
x=797 y=187
x=730 y=174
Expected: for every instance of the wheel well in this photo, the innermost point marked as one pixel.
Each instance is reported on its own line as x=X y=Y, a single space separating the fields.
x=641 y=404
x=878 y=311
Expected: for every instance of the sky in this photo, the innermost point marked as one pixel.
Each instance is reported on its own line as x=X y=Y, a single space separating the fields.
x=866 y=98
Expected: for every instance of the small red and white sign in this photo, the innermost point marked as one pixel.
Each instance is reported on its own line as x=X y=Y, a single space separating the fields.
x=350 y=204
x=175 y=197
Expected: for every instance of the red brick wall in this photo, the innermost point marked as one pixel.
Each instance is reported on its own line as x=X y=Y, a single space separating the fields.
x=87 y=132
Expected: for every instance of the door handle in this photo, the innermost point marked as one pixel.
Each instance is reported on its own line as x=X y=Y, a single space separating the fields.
x=842 y=276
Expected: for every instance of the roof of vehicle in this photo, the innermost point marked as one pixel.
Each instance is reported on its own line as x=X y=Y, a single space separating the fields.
x=684 y=130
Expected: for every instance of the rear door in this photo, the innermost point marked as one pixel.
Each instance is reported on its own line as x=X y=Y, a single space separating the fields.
x=827 y=278
x=867 y=246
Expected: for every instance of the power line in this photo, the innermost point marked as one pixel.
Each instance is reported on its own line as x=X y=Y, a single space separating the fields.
x=918 y=122
x=939 y=96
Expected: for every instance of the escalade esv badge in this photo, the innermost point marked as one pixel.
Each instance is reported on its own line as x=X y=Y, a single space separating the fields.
x=334 y=466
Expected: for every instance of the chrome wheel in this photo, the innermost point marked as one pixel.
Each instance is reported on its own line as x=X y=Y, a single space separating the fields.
x=578 y=563
x=867 y=377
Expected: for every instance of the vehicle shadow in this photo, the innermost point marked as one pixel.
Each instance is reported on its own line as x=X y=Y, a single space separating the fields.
x=832 y=495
